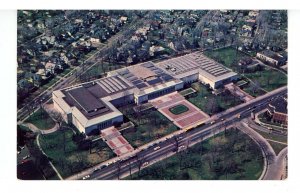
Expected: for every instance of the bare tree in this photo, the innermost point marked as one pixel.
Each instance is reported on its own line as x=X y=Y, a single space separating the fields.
x=58 y=118
x=130 y=168
x=119 y=167
x=254 y=86
x=140 y=160
x=176 y=143
x=212 y=105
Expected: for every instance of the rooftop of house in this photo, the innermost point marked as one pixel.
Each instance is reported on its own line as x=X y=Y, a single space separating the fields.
x=271 y=54
x=279 y=105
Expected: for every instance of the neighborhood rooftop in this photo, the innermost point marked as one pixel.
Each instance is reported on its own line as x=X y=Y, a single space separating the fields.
x=271 y=54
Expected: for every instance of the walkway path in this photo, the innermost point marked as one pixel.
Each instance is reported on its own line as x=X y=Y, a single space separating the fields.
x=38 y=143
x=35 y=129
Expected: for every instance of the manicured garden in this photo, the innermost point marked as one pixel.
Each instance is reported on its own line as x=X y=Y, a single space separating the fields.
x=233 y=156
x=178 y=109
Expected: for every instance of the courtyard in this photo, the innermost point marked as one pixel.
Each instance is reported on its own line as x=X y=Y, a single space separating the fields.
x=178 y=110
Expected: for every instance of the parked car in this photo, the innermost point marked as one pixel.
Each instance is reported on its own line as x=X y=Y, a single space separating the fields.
x=86 y=177
x=145 y=164
x=27 y=156
x=156 y=148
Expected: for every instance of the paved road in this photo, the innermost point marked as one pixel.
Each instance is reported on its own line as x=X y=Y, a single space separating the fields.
x=275 y=165
x=252 y=124
x=167 y=144
x=267 y=150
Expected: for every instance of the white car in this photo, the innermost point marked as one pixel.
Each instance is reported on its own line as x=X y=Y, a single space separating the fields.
x=86 y=177
x=156 y=148
x=27 y=156
x=145 y=164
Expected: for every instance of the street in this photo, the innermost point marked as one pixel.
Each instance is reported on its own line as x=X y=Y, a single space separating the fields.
x=120 y=166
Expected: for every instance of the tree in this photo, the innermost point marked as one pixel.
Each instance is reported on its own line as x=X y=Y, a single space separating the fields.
x=254 y=86
x=119 y=167
x=58 y=118
x=212 y=105
x=140 y=160
x=130 y=168
x=176 y=143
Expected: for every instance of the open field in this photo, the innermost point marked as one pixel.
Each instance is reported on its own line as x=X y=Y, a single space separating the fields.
x=253 y=92
x=268 y=79
x=74 y=158
x=150 y=125
x=233 y=156
x=210 y=103
x=41 y=119
x=229 y=57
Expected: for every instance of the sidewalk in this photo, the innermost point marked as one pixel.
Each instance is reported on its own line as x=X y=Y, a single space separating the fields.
x=35 y=129
x=53 y=167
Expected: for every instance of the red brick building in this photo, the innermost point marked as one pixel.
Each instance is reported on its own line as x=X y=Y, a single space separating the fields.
x=277 y=110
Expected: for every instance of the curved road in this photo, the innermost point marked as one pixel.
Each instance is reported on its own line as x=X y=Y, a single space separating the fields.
x=274 y=165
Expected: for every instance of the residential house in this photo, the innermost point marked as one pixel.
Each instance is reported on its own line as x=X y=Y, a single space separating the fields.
x=271 y=57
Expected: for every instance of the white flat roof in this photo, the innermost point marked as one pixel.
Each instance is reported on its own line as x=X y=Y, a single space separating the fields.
x=194 y=63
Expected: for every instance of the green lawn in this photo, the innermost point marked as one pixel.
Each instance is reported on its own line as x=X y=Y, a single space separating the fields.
x=268 y=79
x=232 y=157
x=229 y=57
x=74 y=159
x=255 y=93
x=41 y=119
x=273 y=136
x=205 y=100
x=150 y=125
x=187 y=92
x=178 y=109
x=277 y=146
